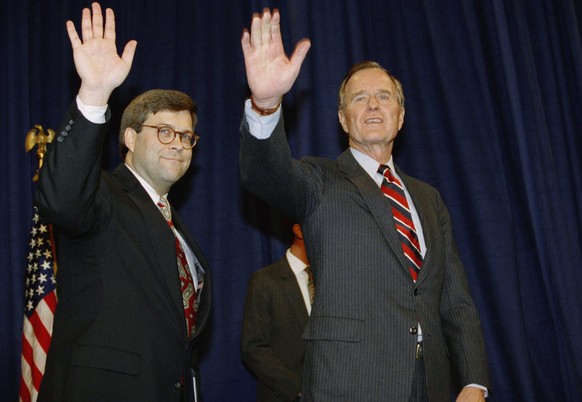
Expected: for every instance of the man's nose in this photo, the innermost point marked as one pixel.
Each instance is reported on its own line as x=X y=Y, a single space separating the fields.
x=372 y=103
x=177 y=142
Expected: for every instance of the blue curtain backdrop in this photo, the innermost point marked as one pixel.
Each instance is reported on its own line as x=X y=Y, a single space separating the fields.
x=493 y=120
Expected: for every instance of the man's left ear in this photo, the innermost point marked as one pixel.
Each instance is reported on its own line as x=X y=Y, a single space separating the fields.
x=401 y=122
x=129 y=136
x=297 y=231
x=342 y=119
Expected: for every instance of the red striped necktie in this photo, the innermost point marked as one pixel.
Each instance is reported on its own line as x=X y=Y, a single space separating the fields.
x=392 y=188
x=189 y=296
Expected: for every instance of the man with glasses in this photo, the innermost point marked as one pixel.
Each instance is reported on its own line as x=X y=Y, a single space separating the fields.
x=134 y=288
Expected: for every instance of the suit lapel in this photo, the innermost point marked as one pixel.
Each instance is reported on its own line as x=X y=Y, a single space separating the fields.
x=378 y=204
x=292 y=291
x=162 y=239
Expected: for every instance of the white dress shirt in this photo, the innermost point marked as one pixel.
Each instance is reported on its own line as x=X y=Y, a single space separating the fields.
x=298 y=268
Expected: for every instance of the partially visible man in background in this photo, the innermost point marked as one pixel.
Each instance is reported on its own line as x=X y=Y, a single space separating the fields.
x=276 y=311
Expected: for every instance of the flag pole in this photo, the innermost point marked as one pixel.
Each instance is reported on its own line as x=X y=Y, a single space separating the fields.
x=39 y=138
x=40 y=298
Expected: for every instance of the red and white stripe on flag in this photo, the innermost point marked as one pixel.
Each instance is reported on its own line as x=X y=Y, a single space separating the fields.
x=39 y=309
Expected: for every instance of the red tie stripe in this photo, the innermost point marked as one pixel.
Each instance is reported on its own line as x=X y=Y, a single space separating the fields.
x=392 y=188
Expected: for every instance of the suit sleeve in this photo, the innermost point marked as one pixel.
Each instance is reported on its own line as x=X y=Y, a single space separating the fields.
x=256 y=343
x=69 y=179
x=461 y=325
x=269 y=172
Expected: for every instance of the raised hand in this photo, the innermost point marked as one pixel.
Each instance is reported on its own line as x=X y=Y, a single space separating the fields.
x=270 y=73
x=96 y=59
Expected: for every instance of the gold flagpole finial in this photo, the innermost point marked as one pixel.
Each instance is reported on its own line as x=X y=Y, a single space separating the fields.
x=37 y=136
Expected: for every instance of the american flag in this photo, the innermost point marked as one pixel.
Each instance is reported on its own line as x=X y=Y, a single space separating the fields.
x=40 y=303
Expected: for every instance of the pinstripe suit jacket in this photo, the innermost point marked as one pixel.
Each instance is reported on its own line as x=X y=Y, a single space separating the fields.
x=272 y=335
x=362 y=331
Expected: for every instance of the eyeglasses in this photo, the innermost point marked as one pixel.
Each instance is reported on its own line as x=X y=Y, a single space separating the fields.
x=166 y=135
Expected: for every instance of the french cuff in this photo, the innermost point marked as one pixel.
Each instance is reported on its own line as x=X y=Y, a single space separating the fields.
x=261 y=127
x=95 y=114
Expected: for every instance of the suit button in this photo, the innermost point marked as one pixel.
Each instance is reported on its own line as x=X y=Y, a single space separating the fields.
x=413 y=330
x=177 y=385
x=416 y=291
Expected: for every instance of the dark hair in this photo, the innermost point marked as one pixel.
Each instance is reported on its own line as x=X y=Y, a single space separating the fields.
x=152 y=102
x=288 y=235
x=362 y=66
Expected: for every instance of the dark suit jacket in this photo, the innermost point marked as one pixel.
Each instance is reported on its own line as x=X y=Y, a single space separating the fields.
x=272 y=334
x=362 y=331
x=119 y=328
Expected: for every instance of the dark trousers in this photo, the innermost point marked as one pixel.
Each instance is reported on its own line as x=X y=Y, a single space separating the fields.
x=419 y=391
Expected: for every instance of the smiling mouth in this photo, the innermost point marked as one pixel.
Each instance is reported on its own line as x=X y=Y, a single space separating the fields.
x=168 y=158
x=373 y=120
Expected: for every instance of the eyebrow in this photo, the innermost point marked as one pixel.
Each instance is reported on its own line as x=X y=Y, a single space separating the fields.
x=162 y=124
x=365 y=92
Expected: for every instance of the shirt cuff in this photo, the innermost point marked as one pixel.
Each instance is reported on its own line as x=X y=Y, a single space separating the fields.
x=480 y=387
x=261 y=127
x=95 y=114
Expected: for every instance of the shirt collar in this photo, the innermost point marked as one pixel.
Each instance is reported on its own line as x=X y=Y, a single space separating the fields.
x=147 y=187
x=369 y=164
x=297 y=266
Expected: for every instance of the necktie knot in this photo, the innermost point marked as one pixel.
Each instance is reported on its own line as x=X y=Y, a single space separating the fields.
x=164 y=207
x=385 y=171
x=383 y=168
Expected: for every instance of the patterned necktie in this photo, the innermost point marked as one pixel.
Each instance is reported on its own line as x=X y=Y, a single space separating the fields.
x=310 y=285
x=392 y=188
x=189 y=296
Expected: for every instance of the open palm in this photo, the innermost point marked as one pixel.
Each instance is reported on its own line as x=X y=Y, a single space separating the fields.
x=270 y=73
x=100 y=67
